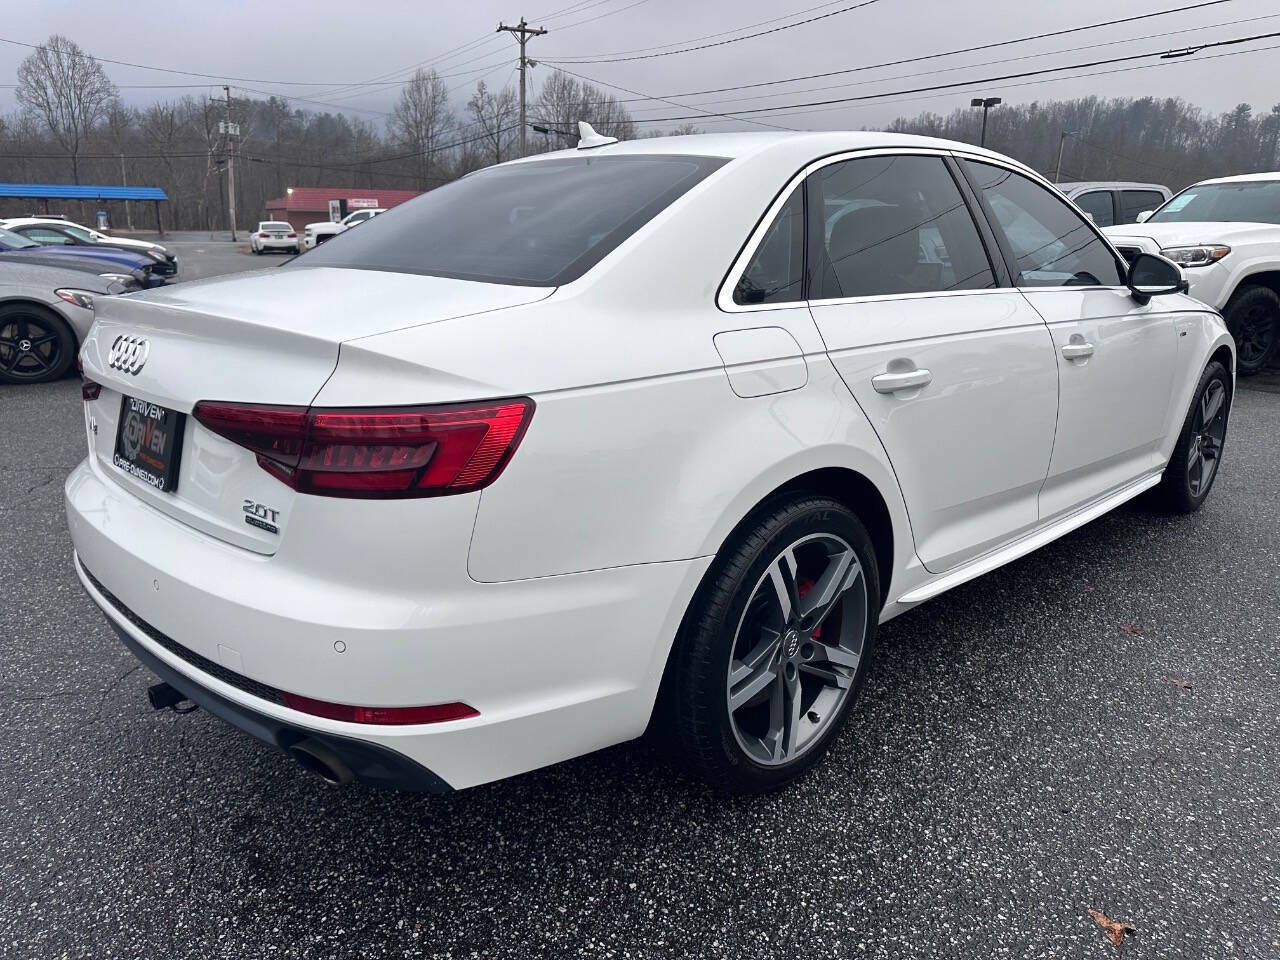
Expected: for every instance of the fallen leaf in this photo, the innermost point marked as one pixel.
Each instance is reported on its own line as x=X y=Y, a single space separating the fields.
x=1114 y=929
x=1184 y=684
x=1130 y=628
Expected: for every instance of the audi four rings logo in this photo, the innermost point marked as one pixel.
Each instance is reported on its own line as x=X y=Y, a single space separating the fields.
x=128 y=354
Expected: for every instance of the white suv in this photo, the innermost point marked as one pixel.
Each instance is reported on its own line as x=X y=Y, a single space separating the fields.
x=647 y=431
x=1226 y=234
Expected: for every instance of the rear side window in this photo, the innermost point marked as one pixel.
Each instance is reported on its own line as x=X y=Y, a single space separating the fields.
x=1052 y=243
x=776 y=271
x=1097 y=203
x=1134 y=202
x=542 y=223
x=892 y=225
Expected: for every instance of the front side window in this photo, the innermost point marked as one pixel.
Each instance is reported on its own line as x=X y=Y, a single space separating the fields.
x=1134 y=202
x=541 y=223
x=1053 y=245
x=776 y=271
x=1097 y=204
x=1244 y=201
x=892 y=225
x=45 y=236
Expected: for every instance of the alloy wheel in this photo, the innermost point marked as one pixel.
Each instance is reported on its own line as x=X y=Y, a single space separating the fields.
x=797 y=649
x=30 y=348
x=1255 y=336
x=1208 y=435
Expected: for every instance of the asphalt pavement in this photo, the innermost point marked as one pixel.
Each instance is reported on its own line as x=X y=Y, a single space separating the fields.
x=1094 y=726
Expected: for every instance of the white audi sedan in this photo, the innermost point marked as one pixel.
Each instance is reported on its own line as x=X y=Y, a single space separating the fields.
x=638 y=436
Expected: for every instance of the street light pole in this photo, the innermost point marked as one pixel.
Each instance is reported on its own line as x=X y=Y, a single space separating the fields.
x=986 y=104
x=1062 y=140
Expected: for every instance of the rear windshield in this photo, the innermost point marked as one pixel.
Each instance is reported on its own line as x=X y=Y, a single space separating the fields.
x=274 y=225
x=542 y=223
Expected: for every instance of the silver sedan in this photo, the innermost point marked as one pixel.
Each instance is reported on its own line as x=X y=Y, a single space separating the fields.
x=45 y=314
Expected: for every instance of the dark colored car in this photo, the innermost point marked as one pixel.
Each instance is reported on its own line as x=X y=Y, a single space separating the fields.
x=58 y=234
x=110 y=258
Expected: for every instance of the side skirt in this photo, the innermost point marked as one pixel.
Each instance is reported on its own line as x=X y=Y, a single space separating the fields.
x=1032 y=541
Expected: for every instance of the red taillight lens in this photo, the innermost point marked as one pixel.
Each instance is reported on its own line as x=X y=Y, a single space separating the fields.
x=392 y=452
x=434 y=713
x=264 y=236
x=88 y=389
x=292 y=236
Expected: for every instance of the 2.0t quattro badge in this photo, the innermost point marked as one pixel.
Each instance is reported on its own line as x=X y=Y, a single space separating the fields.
x=128 y=354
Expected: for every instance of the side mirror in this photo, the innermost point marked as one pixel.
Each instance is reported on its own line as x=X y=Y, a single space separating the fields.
x=1144 y=216
x=1151 y=275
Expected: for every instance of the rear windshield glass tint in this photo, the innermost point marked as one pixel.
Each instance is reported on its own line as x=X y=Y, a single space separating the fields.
x=273 y=225
x=542 y=223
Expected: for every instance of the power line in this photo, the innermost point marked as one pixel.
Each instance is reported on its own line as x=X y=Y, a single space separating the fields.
x=712 y=36
x=708 y=113
x=738 y=114
x=947 y=53
x=988 y=63
x=721 y=43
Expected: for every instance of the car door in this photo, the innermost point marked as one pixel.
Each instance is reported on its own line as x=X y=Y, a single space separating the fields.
x=1115 y=356
x=950 y=364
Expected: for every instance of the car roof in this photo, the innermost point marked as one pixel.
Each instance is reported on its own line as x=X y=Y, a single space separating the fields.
x=805 y=145
x=1241 y=178
x=1109 y=185
x=33 y=221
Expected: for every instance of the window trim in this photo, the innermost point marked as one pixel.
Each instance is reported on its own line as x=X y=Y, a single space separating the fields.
x=724 y=295
x=1011 y=260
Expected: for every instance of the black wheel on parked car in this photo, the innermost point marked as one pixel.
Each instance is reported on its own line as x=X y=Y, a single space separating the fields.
x=1189 y=476
x=1253 y=317
x=772 y=653
x=35 y=344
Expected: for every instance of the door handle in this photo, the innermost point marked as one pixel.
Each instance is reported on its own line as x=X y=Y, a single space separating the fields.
x=905 y=380
x=1077 y=350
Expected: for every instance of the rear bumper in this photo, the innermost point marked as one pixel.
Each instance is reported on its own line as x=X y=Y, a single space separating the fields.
x=370 y=763
x=557 y=666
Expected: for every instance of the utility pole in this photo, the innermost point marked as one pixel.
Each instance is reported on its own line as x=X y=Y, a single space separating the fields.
x=231 y=130
x=522 y=32
x=124 y=181
x=1062 y=140
x=986 y=104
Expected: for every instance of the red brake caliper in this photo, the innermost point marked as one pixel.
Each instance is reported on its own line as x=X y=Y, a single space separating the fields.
x=803 y=586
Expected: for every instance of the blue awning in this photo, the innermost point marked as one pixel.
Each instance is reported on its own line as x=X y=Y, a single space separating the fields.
x=80 y=191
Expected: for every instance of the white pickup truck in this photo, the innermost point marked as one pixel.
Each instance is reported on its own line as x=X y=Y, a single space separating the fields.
x=317 y=233
x=1225 y=233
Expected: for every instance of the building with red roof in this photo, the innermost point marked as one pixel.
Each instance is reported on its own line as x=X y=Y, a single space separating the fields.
x=303 y=205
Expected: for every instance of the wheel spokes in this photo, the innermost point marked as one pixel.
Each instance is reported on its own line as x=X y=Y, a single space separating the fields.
x=841 y=574
x=783 y=577
x=1212 y=402
x=747 y=678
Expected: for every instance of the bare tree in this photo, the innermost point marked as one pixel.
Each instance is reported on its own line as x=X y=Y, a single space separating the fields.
x=495 y=117
x=421 y=120
x=68 y=90
x=563 y=101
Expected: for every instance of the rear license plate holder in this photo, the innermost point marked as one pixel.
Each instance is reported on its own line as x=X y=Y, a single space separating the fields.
x=149 y=443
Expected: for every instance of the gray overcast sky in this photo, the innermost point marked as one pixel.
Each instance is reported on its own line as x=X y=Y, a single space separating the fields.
x=336 y=41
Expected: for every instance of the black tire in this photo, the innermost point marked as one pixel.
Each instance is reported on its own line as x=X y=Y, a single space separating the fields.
x=1253 y=318
x=695 y=711
x=36 y=345
x=1179 y=491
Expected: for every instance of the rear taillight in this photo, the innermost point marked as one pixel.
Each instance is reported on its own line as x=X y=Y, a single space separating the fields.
x=434 y=713
x=89 y=390
x=292 y=236
x=264 y=236
x=387 y=452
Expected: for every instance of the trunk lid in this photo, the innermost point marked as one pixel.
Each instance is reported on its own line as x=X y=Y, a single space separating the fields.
x=269 y=337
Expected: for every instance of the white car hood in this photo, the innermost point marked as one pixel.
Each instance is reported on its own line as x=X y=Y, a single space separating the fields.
x=1194 y=232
